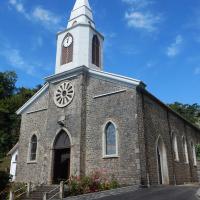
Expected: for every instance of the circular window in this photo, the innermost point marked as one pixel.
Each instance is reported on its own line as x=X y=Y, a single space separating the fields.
x=64 y=94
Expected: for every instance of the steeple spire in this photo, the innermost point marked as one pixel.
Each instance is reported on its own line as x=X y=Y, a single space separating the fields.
x=80 y=3
x=81 y=14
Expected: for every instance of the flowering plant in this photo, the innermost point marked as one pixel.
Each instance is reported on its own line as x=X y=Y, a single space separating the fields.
x=95 y=182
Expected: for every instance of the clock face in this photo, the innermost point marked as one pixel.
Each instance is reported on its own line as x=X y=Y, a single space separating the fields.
x=68 y=41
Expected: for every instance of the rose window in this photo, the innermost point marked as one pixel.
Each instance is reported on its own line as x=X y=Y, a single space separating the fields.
x=64 y=94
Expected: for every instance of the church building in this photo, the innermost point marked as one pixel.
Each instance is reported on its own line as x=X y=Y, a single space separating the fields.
x=85 y=119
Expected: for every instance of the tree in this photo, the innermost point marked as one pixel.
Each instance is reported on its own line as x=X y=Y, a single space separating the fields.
x=11 y=98
x=189 y=112
x=7 y=84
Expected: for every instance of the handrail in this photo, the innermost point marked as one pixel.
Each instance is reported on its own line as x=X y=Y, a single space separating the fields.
x=26 y=189
x=54 y=195
x=20 y=194
x=60 y=189
x=53 y=190
x=48 y=193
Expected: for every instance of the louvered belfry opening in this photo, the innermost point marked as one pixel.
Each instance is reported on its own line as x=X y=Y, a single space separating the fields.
x=67 y=52
x=96 y=51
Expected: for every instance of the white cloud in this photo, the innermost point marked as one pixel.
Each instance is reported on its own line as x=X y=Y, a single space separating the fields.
x=19 y=7
x=141 y=20
x=175 y=48
x=15 y=59
x=46 y=17
x=40 y=15
x=140 y=16
x=197 y=71
x=138 y=3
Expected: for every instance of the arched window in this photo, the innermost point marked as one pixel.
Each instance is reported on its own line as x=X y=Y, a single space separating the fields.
x=110 y=138
x=185 y=150
x=175 y=147
x=33 y=148
x=194 y=154
x=96 y=51
x=67 y=49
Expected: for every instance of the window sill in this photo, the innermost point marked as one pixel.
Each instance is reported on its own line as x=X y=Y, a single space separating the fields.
x=32 y=162
x=110 y=156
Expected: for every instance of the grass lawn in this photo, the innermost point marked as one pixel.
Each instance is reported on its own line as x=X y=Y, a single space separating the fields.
x=5 y=164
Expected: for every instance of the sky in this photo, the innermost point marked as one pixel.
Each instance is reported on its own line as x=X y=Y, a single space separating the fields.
x=156 y=41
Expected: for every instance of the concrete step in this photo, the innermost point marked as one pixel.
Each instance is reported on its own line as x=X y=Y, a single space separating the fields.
x=38 y=193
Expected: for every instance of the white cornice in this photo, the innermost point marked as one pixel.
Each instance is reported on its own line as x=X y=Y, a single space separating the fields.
x=75 y=72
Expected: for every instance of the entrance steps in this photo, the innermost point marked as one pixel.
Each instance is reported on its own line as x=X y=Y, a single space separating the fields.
x=39 y=192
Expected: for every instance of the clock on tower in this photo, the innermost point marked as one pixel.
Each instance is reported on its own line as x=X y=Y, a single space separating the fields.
x=80 y=44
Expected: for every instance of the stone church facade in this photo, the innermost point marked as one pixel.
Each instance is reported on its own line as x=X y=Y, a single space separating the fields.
x=85 y=119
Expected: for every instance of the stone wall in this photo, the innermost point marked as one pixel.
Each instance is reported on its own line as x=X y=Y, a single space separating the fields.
x=45 y=125
x=85 y=121
x=160 y=121
x=119 y=108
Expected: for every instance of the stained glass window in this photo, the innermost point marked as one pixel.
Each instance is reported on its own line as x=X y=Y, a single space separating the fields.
x=110 y=139
x=33 y=148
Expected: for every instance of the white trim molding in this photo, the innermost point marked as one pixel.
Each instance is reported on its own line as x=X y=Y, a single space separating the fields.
x=109 y=93
x=33 y=98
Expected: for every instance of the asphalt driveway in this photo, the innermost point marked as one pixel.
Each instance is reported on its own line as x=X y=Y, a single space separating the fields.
x=159 y=193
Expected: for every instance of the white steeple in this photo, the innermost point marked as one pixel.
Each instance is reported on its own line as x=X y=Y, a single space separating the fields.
x=81 y=14
x=80 y=44
x=80 y=3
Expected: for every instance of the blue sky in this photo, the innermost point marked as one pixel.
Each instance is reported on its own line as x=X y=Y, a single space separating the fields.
x=151 y=40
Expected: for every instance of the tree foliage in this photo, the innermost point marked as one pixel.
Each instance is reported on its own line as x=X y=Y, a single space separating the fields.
x=11 y=98
x=189 y=112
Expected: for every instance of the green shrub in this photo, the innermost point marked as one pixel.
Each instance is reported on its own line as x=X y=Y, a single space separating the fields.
x=4 y=180
x=198 y=151
x=95 y=182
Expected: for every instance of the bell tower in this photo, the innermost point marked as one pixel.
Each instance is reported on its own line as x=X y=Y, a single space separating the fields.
x=80 y=44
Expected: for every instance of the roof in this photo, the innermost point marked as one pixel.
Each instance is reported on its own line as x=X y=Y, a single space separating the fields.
x=143 y=90
x=72 y=71
x=13 y=149
x=33 y=98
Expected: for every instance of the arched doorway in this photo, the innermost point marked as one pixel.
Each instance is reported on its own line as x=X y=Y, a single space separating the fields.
x=61 y=167
x=163 y=174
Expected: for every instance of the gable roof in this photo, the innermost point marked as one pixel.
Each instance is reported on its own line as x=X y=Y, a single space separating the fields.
x=13 y=149
x=102 y=74
x=75 y=71
x=33 y=98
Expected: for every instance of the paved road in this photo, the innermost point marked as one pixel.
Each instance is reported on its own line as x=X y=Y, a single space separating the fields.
x=159 y=193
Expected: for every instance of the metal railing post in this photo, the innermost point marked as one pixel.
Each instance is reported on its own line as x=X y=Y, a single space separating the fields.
x=12 y=195
x=61 y=193
x=28 y=189
x=45 y=196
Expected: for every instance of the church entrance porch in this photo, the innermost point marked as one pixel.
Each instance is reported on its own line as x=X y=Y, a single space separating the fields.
x=61 y=161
